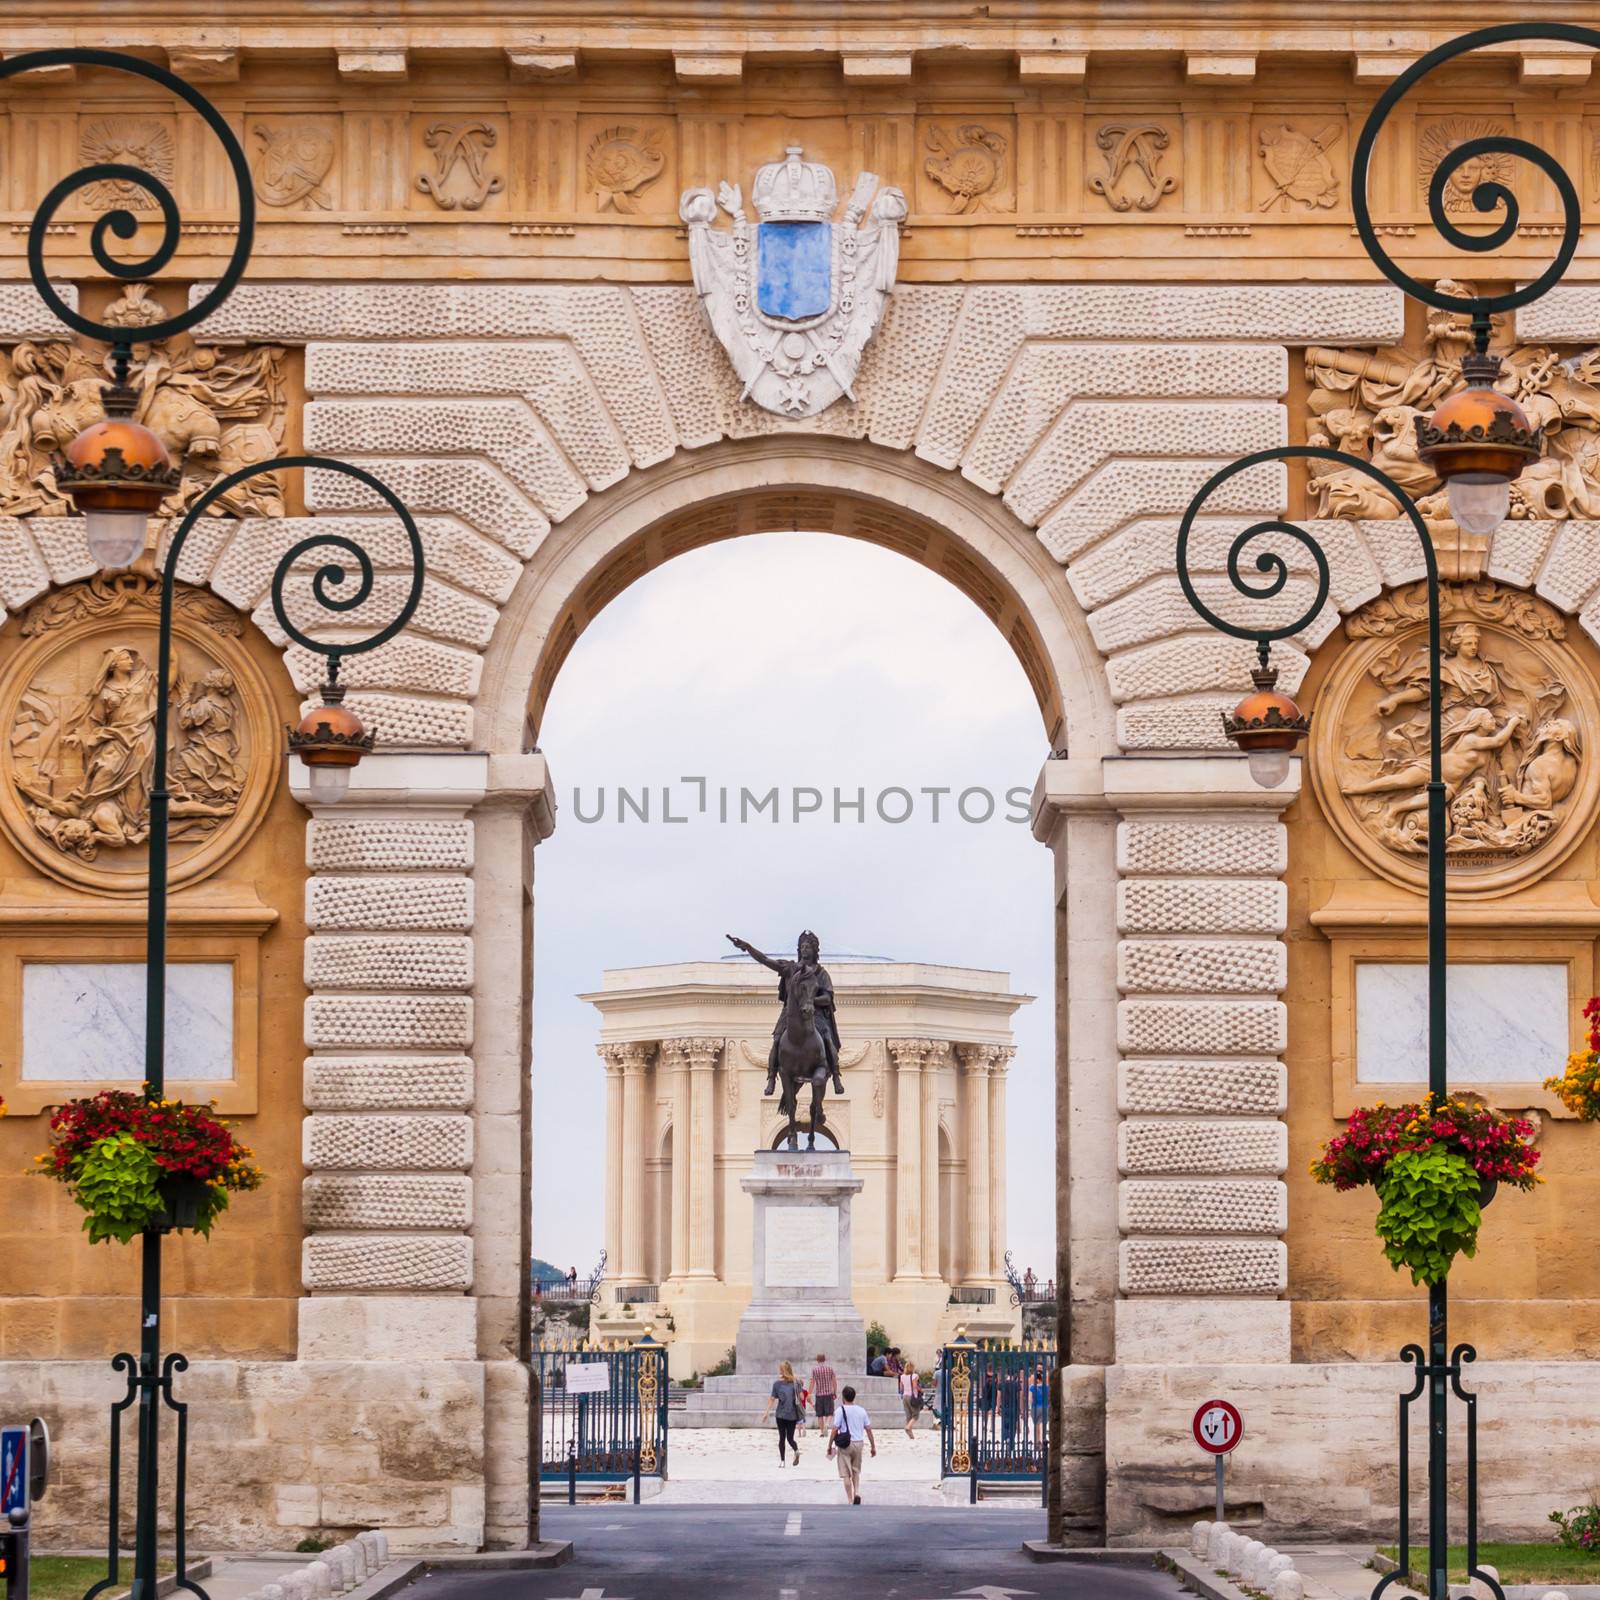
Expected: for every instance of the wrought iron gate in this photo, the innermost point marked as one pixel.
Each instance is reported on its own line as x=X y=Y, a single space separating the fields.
x=994 y=1412
x=603 y=1412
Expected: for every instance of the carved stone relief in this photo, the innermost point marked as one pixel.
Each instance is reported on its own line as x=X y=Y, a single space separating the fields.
x=78 y=704
x=1133 y=179
x=968 y=163
x=1367 y=402
x=461 y=177
x=292 y=161
x=621 y=163
x=143 y=142
x=1518 y=721
x=215 y=408
x=1298 y=167
x=1437 y=139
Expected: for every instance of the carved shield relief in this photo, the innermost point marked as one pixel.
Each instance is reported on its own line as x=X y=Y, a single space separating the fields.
x=78 y=704
x=1519 y=718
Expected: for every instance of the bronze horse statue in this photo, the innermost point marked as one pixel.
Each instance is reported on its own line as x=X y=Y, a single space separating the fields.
x=801 y=1059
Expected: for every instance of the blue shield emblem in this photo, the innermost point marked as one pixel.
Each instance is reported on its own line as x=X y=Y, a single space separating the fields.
x=794 y=269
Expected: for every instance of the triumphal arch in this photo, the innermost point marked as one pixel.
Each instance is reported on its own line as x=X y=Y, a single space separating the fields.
x=1035 y=274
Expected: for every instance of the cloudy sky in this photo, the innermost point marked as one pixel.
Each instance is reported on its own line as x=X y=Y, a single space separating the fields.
x=798 y=660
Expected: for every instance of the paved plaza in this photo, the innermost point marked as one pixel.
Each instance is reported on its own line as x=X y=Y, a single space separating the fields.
x=822 y=1553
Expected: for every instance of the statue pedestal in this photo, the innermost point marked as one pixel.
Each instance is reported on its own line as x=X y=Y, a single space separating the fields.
x=800 y=1299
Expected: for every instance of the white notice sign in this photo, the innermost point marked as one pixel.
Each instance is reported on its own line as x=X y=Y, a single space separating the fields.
x=588 y=1377
x=802 y=1247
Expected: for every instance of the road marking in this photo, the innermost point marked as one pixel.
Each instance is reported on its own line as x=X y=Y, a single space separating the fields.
x=593 y=1594
x=788 y=1594
x=792 y=1526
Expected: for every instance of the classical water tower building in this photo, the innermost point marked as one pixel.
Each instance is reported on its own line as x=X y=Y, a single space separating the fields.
x=925 y=1054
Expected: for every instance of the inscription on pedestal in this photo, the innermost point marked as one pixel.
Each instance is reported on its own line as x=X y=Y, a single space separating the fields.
x=802 y=1247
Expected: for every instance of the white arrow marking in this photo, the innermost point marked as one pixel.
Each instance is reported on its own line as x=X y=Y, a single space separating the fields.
x=792 y=1526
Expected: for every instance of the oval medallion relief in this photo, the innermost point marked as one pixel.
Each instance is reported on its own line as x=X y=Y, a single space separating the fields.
x=1519 y=719
x=78 y=703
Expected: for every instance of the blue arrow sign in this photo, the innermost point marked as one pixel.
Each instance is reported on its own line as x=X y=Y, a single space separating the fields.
x=13 y=1470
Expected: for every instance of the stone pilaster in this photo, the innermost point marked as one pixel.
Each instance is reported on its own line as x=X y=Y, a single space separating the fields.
x=611 y=1054
x=998 y=1073
x=703 y=1175
x=975 y=1062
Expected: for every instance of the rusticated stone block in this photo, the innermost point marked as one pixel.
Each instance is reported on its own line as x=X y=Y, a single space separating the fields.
x=380 y=844
x=1223 y=1206
x=1197 y=966
x=1245 y=1087
x=360 y=1083
x=407 y=663
x=389 y=903
x=1201 y=905
x=1192 y=1144
x=1210 y=1266
x=1202 y=1027
x=1202 y=849
x=399 y=962
x=424 y=1022
x=412 y=1261
x=380 y=1142
x=1194 y=662
x=350 y=1204
x=400 y=720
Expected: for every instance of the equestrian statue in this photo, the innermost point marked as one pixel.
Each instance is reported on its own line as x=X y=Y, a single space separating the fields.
x=805 y=1041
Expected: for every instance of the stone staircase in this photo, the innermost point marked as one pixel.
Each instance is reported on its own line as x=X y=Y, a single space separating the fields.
x=737 y=1401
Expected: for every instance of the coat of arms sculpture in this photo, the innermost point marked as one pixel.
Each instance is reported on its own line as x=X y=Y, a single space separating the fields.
x=795 y=299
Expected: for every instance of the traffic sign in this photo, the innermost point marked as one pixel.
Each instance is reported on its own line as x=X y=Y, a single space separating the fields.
x=38 y=1459
x=13 y=1470
x=1218 y=1427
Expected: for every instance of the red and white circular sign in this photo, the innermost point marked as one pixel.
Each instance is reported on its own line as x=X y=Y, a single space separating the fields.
x=1218 y=1427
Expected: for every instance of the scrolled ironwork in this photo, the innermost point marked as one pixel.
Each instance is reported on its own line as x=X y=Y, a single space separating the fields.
x=1488 y=197
x=128 y=1365
x=120 y=221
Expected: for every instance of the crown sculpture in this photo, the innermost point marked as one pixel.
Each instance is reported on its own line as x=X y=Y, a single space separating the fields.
x=795 y=299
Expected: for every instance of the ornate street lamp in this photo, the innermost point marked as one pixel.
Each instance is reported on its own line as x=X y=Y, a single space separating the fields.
x=118 y=474
x=1476 y=442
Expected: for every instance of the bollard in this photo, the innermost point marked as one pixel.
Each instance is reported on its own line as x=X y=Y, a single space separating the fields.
x=1288 y=1586
x=1200 y=1538
x=322 y=1579
x=1218 y=1532
x=637 y=1455
x=572 y=1476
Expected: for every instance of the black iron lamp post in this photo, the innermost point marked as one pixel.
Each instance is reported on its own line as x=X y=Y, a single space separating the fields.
x=1477 y=442
x=118 y=473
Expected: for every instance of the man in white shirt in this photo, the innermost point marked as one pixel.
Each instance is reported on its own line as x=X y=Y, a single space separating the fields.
x=852 y=1423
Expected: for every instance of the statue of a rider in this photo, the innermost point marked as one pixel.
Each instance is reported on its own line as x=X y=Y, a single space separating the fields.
x=808 y=952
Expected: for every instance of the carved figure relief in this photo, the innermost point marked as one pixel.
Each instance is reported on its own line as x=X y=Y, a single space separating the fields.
x=461 y=176
x=1367 y=402
x=621 y=164
x=1518 y=723
x=293 y=162
x=1298 y=167
x=143 y=142
x=1133 y=179
x=794 y=299
x=79 y=704
x=1438 y=139
x=968 y=163
x=215 y=409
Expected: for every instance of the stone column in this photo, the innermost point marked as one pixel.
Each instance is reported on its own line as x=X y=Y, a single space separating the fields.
x=907 y=1056
x=995 y=1154
x=703 y=1142
x=974 y=1060
x=611 y=1054
x=636 y=1058
x=938 y=1054
x=674 y=1062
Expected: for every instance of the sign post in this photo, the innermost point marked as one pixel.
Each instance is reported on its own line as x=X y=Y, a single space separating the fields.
x=24 y=1473
x=1218 y=1427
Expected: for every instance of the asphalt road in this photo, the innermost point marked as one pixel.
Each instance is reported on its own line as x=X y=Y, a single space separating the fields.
x=834 y=1553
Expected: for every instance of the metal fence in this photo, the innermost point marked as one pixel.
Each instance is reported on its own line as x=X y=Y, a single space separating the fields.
x=994 y=1407
x=603 y=1413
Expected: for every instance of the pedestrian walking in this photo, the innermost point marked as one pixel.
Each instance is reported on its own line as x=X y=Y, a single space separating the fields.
x=786 y=1396
x=850 y=1430
x=910 y=1396
x=824 y=1390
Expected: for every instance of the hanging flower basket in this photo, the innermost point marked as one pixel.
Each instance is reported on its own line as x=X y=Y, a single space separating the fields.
x=134 y=1164
x=1578 y=1088
x=1435 y=1168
